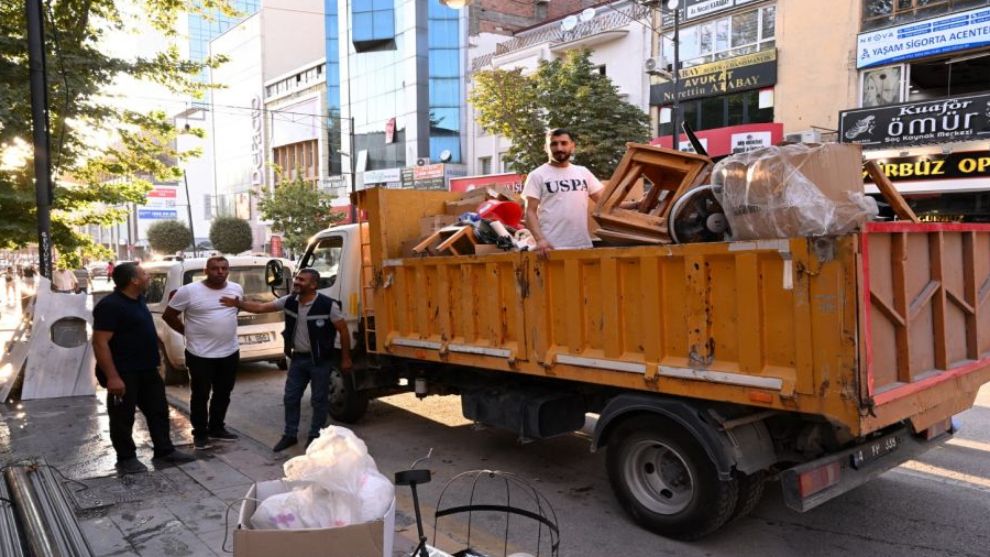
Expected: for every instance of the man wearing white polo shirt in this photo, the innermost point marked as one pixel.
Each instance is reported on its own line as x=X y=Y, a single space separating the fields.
x=212 y=351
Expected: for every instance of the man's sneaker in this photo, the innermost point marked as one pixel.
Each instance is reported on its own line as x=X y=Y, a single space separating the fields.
x=176 y=457
x=131 y=466
x=201 y=443
x=311 y=439
x=284 y=443
x=223 y=435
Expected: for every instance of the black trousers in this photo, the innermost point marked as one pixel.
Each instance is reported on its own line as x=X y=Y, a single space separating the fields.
x=208 y=375
x=146 y=391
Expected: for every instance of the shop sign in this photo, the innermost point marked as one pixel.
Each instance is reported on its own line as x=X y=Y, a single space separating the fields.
x=157 y=214
x=382 y=176
x=163 y=192
x=390 y=131
x=730 y=140
x=257 y=142
x=428 y=171
x=701 y=8
x=972 y=164
x=742 y=73
x=917 y=123
x=950 y=33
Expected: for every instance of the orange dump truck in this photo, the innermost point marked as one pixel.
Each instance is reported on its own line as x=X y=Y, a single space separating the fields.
x=713 y=367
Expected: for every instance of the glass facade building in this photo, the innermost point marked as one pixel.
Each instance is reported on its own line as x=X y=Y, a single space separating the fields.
x=394 y=66
x=203 y=28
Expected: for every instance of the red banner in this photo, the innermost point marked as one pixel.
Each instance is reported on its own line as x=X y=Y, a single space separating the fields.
x=511 y=180
x=733 y=139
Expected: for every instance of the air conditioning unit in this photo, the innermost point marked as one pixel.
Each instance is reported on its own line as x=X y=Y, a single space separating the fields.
x=422 y=161
x=804 y=136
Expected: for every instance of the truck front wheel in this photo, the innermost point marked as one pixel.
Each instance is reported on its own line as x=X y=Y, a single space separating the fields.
x=347 y=405
x=665 y=480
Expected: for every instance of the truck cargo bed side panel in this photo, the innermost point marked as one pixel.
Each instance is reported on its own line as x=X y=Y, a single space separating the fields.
x=926 y=322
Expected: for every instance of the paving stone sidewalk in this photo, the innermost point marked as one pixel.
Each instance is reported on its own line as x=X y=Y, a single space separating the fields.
x=169 y=511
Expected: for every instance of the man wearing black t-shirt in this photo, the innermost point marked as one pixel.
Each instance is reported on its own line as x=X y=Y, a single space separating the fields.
x=126 y=349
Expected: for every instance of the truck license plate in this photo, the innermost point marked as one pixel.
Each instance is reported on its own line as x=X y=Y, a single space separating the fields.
x=257 y=338
x=872 y=451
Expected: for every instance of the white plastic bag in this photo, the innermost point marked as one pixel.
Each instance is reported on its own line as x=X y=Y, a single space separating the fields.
x=376 y=494
x=306 y=507
x=339 y=463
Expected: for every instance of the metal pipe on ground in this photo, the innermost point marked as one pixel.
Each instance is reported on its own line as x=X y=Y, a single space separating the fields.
x=49 y=524
x=36 y=534
x=10 y=534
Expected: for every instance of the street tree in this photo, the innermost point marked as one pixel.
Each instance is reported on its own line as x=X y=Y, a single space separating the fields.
x=298 y=210
x=169 y=236
x=568 y=92
x=93 y=184
x=231 y=235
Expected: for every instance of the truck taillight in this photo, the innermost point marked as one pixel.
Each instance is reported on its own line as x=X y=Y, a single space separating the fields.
x=818 y=479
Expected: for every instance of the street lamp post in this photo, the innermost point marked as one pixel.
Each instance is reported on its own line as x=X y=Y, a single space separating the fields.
x=675 y=116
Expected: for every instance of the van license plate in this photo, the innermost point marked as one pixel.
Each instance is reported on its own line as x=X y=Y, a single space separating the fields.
x=872 y=451
x=258 y=338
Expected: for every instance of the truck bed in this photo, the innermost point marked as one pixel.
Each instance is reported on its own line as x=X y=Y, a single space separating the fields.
x=866 y=330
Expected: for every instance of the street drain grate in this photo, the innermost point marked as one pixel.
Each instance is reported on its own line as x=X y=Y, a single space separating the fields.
x=112 y=490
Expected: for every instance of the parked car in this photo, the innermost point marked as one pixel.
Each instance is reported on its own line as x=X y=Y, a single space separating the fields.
x=259 y=335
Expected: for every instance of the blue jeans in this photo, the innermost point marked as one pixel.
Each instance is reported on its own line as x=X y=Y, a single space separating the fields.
x=301 y=372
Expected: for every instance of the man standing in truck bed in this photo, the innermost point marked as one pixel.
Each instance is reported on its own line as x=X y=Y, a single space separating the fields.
x=312 y=320
x=557 y=196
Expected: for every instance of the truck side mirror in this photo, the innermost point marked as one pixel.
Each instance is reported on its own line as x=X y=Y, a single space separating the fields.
x=274 y=273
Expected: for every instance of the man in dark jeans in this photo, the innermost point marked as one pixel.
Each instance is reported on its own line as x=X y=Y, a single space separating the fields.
x=312 y=321
x=212 y=350
x=126 y=348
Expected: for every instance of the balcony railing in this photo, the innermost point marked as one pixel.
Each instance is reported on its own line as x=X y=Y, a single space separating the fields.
x=608 y=20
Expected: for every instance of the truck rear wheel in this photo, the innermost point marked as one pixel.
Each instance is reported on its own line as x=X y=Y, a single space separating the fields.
x=347 y=405
x=170 y=374
x=666 y=481
x=751 y=489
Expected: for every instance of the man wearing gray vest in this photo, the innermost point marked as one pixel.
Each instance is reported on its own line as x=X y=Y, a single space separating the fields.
x=312 y=321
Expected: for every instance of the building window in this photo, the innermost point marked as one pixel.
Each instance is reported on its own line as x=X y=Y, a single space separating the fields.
x=725 y=37
x=372 y=23
x=720 y=112
x=298 y=161
x=881 y=13
x=946 y=77
x=882 y=86
x=484 y=165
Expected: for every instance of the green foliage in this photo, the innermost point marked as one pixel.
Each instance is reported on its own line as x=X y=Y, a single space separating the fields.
x=169 y=236
x=298 y=210
x=231 y=235
x=92 y=184
x=565 y=93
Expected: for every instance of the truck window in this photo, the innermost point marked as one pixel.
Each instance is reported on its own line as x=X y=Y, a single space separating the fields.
x=251 y=279
x=156 y=288
x=325 y=258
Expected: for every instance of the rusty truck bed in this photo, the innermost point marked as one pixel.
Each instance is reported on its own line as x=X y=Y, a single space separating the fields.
x=867 y=329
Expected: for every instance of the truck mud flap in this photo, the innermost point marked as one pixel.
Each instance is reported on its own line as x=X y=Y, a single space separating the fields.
x=808 y=485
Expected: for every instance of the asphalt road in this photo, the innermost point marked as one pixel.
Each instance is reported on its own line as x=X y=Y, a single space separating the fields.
x=936 y=506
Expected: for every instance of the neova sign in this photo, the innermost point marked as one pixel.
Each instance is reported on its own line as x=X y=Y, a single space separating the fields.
x=959 y=31
x=916 y=123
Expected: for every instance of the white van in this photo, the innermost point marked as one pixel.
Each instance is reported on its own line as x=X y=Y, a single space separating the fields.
x=259 y=335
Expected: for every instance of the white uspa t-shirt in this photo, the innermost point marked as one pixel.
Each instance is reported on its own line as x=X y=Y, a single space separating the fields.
x=211 y=328
x=563 y=193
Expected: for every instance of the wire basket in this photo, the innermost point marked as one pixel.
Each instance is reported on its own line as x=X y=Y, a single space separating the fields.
x=491 y=497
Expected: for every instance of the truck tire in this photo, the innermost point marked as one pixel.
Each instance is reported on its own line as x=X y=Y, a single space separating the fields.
x=664 y=479
x=282 y=363
x=170 y=374
x=751 y=489
x=346 y=404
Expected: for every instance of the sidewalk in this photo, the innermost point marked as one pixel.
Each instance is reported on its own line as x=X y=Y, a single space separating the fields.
x=169 y=511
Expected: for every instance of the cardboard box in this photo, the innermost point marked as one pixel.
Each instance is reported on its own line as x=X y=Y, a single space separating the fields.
x=429 y=225
x=777 y=208
x=371 y=539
